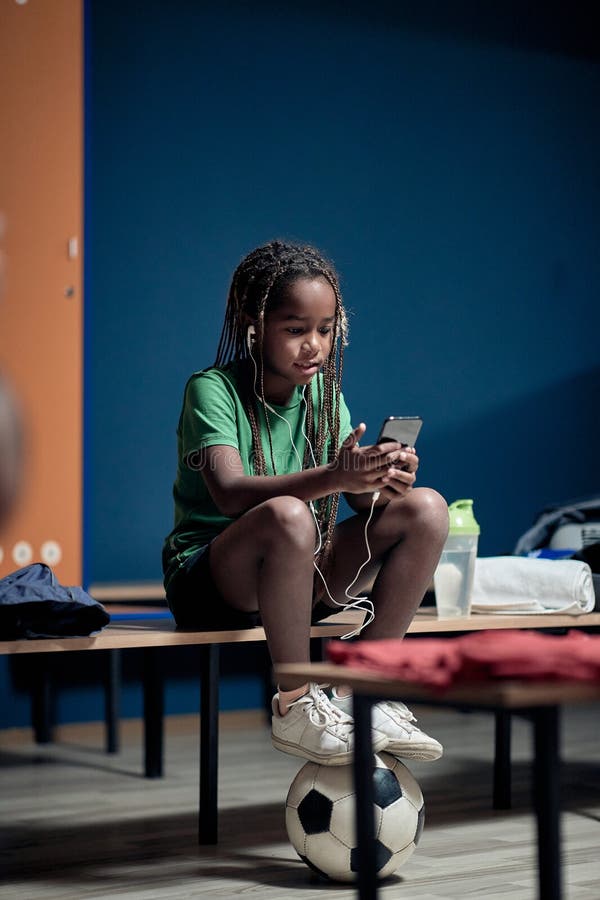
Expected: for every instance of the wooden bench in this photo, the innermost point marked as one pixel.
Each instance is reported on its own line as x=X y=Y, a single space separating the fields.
x=151 y=628
x=151 y=631
x=539 y=701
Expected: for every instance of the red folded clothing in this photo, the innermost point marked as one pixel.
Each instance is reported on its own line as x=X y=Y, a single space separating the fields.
x=479 y=656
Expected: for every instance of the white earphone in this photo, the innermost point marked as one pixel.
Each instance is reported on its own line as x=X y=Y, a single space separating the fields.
x=356 y=602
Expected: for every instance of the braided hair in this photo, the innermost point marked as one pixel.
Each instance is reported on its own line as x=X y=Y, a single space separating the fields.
x=258 y=287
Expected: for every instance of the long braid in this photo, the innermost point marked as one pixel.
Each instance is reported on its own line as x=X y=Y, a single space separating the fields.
x=258 y=285
x=261 y=328
x=309 y=427
x=331 y=420
x=258 y=456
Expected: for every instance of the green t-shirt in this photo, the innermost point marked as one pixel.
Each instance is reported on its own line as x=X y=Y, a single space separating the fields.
x=213 y=413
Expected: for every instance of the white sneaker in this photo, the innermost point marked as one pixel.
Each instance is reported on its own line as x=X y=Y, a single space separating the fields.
x=396 y=722
x=313 y=728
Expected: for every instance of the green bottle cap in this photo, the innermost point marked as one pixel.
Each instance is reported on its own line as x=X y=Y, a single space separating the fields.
x=462 y=520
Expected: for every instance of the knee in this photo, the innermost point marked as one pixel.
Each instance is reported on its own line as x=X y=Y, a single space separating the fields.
x=432 y=511
x=289 y=521
x=427 y=512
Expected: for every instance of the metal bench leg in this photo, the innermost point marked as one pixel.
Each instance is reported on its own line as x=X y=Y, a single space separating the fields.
x=153 y=713
x=318 y=653
x=41 y=700
x=546 y=785
x=363 y=784
x=502 y=761
x=112 y=699
x=209 y=744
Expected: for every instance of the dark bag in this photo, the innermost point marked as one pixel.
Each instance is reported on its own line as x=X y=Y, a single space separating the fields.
x=569 y=530
x=580 y=519
x=33 y=604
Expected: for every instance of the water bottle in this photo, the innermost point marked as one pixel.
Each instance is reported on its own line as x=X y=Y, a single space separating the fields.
x=453 y=578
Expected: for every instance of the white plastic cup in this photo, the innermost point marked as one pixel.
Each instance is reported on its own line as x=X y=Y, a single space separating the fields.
x=453 y=578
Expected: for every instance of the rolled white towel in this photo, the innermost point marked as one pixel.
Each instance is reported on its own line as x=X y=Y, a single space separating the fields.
x=519 y=585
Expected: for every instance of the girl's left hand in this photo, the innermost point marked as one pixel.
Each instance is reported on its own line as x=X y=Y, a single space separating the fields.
x=401 y=474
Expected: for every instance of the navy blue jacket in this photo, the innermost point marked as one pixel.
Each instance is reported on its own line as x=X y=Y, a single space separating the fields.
x=33 y=604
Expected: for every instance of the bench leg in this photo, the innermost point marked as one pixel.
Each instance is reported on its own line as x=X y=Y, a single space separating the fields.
x=502 y=762
x=363 y=786
x=209 y=744
x=41 y=701
x=112 y=699
x=153 y=714
x=318 y=653
x=546 y=785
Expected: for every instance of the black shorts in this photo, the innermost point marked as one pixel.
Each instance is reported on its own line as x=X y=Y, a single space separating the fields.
x=196 y=603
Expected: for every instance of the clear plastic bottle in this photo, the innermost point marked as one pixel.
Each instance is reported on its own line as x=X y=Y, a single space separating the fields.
x=453 y=578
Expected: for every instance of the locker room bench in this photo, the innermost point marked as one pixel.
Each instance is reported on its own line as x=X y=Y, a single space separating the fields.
x=137 y=625
x=151 y=629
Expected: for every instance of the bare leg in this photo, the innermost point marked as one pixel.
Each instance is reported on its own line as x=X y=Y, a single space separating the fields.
x=264 y=561
x=406 y=538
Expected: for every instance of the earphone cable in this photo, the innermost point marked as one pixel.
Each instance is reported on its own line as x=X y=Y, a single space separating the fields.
x=361 y=603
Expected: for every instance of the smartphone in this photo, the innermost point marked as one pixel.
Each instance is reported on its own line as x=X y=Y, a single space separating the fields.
x=402 y=429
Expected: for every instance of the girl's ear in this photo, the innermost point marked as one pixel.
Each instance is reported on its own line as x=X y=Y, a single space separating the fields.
x=250 y=337
x=247 y=323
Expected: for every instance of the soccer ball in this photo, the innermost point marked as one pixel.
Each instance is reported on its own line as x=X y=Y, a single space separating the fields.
x=319 y=817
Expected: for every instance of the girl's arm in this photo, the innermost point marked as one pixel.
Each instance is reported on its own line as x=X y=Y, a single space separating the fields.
x=401 y=477
x=234 y=492
x=356 y=470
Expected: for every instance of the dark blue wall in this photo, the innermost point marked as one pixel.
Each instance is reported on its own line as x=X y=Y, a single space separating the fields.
x=454 y=181
x=448 y=165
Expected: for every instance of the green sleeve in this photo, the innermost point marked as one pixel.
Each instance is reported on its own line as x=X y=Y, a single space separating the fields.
x=209 y=413
x=345 y=420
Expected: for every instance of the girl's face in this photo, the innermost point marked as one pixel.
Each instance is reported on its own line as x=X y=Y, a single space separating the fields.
x=298 y=337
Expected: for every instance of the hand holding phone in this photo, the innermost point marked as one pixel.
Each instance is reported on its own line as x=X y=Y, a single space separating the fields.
x=400 y=429
x=386 y=465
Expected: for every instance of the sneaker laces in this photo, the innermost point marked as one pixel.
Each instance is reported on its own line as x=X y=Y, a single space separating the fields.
x=322 y=712
x=399 y=710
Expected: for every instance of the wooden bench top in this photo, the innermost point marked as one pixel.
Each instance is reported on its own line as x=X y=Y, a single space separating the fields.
x=121 y=592
x=507 y=694
x=162 y=632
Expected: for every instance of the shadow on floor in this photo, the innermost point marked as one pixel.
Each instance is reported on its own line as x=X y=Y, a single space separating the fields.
x=131 y=846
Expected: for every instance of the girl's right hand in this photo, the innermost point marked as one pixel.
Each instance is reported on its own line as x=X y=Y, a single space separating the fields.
x=361 y=470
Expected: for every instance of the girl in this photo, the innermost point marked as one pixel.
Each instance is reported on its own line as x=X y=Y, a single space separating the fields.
x=265 y=447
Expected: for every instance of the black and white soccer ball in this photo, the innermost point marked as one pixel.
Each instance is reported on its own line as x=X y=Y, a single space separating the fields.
x=319 y=817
